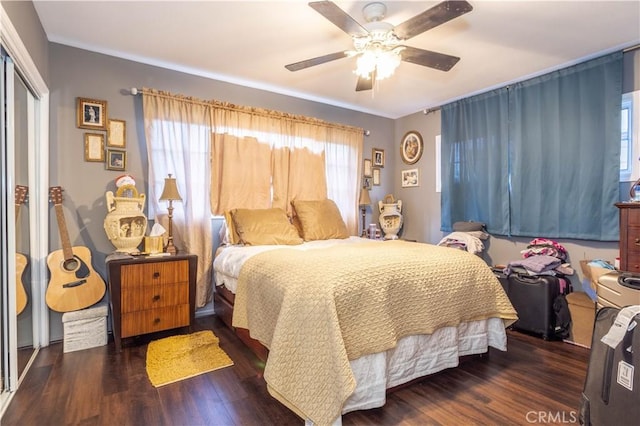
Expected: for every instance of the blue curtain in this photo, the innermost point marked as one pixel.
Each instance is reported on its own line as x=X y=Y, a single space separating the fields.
x=540 y=158
x=564 y=132
x=475 y=170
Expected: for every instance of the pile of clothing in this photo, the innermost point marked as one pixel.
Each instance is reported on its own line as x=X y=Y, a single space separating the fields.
x=466 y=236
x=543 y=257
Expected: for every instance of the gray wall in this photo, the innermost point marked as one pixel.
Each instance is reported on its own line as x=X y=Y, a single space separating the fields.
x=24 y=18
x=79 y=73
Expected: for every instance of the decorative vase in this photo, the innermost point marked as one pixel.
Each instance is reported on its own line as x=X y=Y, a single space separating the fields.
x=125 y=223
x=390 y=217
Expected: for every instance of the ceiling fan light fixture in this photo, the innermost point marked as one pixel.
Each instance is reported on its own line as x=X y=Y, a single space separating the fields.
x=383 y=62
x=377 y=44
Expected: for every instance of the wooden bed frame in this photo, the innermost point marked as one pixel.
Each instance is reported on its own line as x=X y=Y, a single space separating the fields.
x=223 y=301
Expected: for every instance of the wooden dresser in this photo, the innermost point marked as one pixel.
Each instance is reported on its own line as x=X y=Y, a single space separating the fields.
x=629 y=236
x=150 y=294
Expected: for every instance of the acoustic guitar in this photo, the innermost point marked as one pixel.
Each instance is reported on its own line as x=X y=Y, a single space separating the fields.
x=21 y=259
x=73 y=284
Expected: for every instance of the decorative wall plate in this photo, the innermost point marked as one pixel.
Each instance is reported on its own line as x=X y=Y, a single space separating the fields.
x=411 y=147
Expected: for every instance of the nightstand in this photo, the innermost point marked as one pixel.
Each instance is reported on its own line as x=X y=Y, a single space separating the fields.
x=629 y=236
x=151 y=293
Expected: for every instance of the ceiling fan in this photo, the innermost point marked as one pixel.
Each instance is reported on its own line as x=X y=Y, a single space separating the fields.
x=378 y=44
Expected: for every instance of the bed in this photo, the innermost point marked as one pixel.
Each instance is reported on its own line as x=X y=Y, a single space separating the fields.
x=339 y=320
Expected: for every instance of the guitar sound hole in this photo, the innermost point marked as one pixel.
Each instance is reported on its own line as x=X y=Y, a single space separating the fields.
x=70 y=265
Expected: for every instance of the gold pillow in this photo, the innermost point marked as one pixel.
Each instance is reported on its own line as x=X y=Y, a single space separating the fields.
x=320 y=219
x=257 y=227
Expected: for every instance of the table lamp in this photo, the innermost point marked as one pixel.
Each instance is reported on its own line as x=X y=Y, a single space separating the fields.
x=170 y=193
x=364 y=201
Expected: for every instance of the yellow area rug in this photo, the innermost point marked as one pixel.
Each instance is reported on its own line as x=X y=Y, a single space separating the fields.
x=180 y=357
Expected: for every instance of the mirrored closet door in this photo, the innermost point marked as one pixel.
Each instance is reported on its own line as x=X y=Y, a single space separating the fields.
x=24 y=173
x=18 y=130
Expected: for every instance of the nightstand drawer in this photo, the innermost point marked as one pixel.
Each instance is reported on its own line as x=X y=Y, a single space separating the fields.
x=633 y=217
x=152 y=320
x=156 y=296
x=633 y=238
x=633 y=262
x=142 y=274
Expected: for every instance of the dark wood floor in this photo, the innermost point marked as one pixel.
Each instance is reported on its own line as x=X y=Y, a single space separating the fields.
x=534 y=382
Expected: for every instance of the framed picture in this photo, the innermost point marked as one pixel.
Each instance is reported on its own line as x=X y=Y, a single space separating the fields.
x=410 y=178
x=117 y=133
x=94 y=147
x=376 y=176
x=367 y=168
x=91 y=114
x=116 y=160
x=378 y=157
x=366 y=183
x=411 y=147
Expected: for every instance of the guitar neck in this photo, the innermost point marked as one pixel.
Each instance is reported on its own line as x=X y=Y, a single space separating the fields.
x=64 y=233
x=21 y=196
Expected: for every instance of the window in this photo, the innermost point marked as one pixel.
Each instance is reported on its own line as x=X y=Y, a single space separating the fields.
x=630 y=137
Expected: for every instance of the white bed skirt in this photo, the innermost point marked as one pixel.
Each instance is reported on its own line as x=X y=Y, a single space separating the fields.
x=418 y=356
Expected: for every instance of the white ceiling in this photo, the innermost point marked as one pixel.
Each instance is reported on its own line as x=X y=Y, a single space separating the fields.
x=249 y=42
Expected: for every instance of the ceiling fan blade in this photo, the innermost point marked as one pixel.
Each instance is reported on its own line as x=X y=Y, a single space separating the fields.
x=427 y=58
x=297 y=66
x=339 y=17
x=431 y=18
x=364 y=84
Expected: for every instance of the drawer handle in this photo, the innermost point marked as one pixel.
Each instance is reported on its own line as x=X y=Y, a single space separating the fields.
x=156 y=321
x=156 y=275
x=156 y=297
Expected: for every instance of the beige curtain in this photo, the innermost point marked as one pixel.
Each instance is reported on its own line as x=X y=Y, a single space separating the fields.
x=178 y=131
x=310 y=158
x=242 y=173
x=298 y=174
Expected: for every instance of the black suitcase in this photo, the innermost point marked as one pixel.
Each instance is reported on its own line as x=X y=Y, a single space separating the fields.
x=533 y=298
x=502 y=277
x=611 y=394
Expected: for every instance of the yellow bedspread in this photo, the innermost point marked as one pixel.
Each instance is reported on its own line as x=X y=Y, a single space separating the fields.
x=315 y=310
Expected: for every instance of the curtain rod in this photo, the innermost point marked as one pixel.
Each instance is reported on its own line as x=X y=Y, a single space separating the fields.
x=629 y=49
x=134 y=91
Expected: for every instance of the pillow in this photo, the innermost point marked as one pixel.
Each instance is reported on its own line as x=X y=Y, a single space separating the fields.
x=320 y=219
x=232 y=235
x=257 y=227
x=468 y=226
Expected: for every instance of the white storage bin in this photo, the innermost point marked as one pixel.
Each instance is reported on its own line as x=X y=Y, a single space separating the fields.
x=86 y=328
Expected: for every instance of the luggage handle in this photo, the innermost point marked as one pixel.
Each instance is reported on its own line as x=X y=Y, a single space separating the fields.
x=629 y=280
x=532 y=279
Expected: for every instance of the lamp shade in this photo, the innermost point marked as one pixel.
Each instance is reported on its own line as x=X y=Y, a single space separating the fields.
x=364 y=197
x=170 y=191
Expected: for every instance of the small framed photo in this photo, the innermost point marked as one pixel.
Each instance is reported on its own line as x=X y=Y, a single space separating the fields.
x=117 y=133
x=378 y=157
x=116 y=160
x=94 y=147
x=367 y=168
x=366 y=183
x=410 y=178
x=411 y=147
x=376 y=176
x=91 y=114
